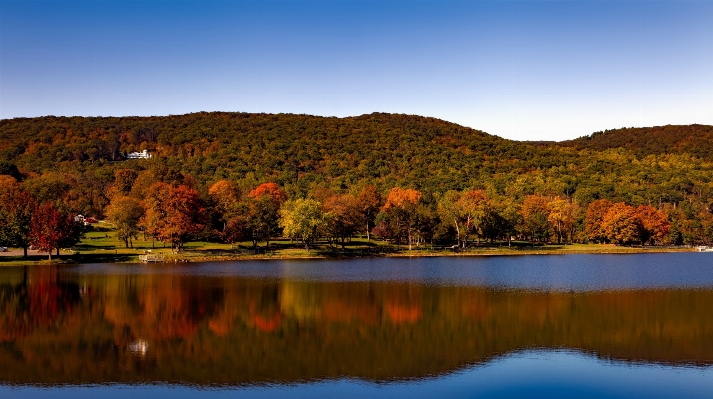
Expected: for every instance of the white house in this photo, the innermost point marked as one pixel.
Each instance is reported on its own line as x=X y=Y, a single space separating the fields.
x=139 y=155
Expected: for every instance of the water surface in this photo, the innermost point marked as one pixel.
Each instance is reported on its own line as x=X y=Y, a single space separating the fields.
x=584 y=325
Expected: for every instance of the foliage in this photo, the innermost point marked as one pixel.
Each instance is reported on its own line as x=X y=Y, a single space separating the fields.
x=172 y=213
x=16 y=209
x=305 y=220
x=125 y=213
x=243 y=167
x=52 y=228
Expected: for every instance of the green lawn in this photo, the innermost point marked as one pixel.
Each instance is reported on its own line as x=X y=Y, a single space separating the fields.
x=102 y=245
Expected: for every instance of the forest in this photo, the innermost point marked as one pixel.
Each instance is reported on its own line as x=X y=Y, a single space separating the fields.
x=410 y=180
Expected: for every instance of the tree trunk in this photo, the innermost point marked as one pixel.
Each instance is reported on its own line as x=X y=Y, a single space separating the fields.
x=58 y=251
x=25 y=251
x=368 y=234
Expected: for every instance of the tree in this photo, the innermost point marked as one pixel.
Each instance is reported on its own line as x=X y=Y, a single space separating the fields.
x=561 y=217
x=124 y=180
x=234 y=231
x=51 y=228
x=368 y=203
x=305 y=220
x=450 y=212
x=225 y=198
x=16 y=209
x=594 y=217
x=262 y=219
x=172 y=213
x=125 y=213
x=621 y=224
x=535 y=212
x=345 y=216
x=401 y=207
x=654 y=224
x=474 y=206
x=271 y=190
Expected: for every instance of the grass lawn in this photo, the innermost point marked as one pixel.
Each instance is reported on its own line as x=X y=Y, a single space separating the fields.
x=102 y=245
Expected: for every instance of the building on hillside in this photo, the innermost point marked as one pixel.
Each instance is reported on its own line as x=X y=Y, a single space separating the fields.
x=139 y=155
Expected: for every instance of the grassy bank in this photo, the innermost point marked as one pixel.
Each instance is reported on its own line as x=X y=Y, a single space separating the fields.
x=101 y=246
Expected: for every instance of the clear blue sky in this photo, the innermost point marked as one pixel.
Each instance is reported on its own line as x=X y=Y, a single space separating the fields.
x=527 y=70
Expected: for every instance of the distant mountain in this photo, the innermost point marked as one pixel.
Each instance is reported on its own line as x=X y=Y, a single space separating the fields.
x=696 y=140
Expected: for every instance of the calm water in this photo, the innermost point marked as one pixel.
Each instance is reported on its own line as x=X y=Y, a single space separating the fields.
x=538 y=326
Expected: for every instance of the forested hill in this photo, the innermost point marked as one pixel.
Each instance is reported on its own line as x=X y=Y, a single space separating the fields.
x=302 y=153
x=696 y=140
x=283 y=147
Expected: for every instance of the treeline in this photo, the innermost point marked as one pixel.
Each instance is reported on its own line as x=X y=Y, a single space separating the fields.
x=174 y=212
x=212 y=162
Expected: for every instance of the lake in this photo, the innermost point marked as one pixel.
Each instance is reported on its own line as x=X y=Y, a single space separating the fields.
x=508 y=326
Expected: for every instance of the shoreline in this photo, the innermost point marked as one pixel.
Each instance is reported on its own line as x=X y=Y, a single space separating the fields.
x=197 y=256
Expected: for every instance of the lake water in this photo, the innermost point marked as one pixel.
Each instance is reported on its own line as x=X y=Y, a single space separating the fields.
x=537 y=326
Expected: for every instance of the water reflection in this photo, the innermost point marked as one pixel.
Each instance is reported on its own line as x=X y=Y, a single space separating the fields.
x=57 y=326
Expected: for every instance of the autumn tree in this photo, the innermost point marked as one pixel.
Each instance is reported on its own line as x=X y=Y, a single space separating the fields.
x=172 y=213
x=535 y=212
x=16 y=209
x=304 y=220
x=124 y=180
x=226 y=209
x=401 y=208
x=52 y=228
x=621 y=224
x=654 y=224
x=345 y=217
x=474 y=206
x=225 y=194
x=562 y=217
x=368 y=203
x=125 y=213
x=594 y=218
x=270 y=190
x=263 y=212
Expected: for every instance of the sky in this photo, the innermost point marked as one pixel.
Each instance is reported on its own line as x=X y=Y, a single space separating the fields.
x=523 y=70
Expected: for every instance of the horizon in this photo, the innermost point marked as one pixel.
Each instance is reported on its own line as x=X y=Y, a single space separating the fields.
x=520 y=70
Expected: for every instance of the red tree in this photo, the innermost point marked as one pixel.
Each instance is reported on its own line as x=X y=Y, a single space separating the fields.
x=50 y=228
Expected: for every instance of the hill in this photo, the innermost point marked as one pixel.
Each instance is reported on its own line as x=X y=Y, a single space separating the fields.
x=287 y=148
x=80 y=160
x=696 y=140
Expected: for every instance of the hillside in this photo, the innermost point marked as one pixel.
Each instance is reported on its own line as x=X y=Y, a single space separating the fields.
x=77 y=161
x=696 y=140
x=286 y=148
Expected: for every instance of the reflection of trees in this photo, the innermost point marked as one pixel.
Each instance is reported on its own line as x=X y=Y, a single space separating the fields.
x=158 y=307
x=231 y=330
x=41 y=300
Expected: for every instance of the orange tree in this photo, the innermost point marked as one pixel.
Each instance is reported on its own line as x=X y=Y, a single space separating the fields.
x=401 y=211
x=173 y=213
x=621 y=224
x=594 y=217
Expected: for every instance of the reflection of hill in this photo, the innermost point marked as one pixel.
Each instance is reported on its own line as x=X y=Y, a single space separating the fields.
x=235 y=331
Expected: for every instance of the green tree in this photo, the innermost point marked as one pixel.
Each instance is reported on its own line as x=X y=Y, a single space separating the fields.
x=304 y=220
x=125 y=213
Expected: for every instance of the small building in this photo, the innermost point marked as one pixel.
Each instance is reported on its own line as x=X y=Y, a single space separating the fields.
x=139 y=155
